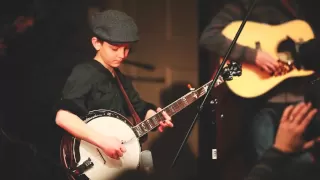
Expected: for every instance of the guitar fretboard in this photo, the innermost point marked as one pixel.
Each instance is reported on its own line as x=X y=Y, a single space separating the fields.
x=147 y=125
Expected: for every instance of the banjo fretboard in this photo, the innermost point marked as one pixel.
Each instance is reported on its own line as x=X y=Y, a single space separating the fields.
x=147 y=125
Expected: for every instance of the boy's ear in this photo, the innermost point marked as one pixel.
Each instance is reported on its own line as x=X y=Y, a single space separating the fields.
x=96 y=43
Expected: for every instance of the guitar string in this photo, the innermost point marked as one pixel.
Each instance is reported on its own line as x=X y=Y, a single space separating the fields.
x=159 y=117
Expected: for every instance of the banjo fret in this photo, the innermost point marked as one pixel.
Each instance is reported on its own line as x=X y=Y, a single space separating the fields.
x=144 y=127
x=155 y=123
x=149 y=124
x=171 y=110
x=138 y=131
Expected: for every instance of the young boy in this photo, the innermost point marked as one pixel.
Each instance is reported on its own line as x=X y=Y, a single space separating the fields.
x=92 y=85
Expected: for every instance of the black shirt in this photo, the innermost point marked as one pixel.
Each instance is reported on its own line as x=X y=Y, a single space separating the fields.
x=91 y=86
x=271 y=166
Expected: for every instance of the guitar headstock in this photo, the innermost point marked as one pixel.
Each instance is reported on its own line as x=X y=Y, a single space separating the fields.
x=232 y=69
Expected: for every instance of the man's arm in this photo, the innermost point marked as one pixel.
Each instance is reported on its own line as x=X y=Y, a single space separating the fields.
x=76 y=127
x=288 y=144
x=213 y=40
x=270 y=166
x=72 y=105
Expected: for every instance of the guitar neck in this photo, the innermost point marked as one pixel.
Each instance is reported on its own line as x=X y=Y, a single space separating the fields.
x=147 y=125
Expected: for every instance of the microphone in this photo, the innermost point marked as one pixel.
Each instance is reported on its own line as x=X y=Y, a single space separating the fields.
x=146 y=161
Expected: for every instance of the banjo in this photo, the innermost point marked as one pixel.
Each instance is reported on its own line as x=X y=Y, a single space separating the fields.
x=86 y=161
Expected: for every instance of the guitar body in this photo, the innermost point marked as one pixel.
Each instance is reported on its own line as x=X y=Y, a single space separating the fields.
x=102 y=167
x=255 y=82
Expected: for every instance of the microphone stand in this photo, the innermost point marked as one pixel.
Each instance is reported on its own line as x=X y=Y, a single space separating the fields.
x=220 y=69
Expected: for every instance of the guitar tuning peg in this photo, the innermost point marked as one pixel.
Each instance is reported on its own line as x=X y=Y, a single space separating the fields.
x=190 y=87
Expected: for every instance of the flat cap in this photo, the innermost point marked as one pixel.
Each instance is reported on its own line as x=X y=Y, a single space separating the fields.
x=114 y=27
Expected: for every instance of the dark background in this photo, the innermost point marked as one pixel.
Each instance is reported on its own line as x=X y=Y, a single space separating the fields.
x=33 y=75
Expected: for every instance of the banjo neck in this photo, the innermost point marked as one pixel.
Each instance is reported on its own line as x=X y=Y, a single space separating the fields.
x=148 y=124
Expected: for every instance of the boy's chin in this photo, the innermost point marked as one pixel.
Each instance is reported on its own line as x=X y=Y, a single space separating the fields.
x=115 y=65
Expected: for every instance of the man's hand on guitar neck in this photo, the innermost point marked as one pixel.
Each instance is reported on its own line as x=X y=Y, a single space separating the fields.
x=266 y=62
x=163 y=124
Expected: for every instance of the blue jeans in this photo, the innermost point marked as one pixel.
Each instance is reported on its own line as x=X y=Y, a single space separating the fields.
x=264 y=127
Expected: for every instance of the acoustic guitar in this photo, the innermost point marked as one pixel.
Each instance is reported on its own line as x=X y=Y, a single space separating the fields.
x=272 y=39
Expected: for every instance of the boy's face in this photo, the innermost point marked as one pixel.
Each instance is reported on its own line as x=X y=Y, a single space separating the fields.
x=111 y=55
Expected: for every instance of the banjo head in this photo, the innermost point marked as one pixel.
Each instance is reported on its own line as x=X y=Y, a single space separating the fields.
x=108 y=123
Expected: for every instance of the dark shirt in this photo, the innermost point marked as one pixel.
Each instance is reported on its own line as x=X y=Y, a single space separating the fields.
x=91 y=86
x=271 y=166
x=213 y=40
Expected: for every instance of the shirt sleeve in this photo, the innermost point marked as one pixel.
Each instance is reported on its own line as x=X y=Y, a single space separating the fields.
x=270 y=166
x=213 y=40
x=75 y=91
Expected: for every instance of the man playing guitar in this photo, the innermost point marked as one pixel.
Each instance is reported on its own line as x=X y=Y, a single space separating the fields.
x=291 y=91
x=93 y=84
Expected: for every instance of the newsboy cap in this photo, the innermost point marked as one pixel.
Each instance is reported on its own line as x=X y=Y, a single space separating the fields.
x=114 y=27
